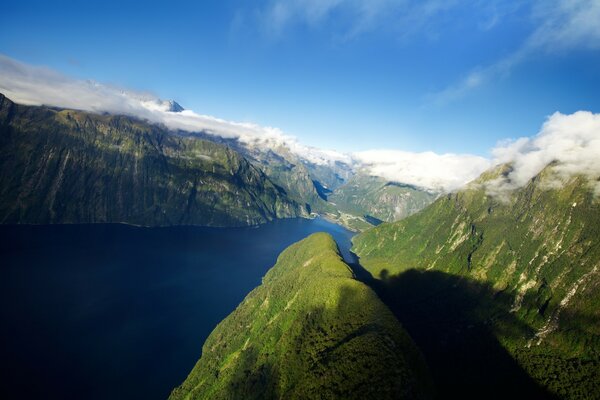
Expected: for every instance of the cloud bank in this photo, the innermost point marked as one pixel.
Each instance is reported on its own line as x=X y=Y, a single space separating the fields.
x=571 y=141
x=26 y=84
x=440 y=172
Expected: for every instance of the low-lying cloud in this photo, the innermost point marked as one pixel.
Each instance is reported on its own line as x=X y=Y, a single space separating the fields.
x=572 y=142
x=441 y=172
x=26 y=84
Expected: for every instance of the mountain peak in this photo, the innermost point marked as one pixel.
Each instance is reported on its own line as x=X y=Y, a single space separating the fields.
x=173 y=106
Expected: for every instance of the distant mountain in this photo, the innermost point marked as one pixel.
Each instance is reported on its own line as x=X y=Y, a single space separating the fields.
x=301 y=179
x=173 y=106
x=310 y=331
x=100 y=148
x=66 y=166
x=162 y=105
x=380 y=199
x=513 y=278
x=338 y=190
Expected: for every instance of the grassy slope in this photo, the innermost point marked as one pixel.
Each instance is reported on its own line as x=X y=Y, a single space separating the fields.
x=65 y=166
x=537 y=255
x=309 y=331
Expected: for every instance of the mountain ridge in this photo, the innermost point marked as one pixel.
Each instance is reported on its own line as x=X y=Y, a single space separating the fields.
x=71 y=166
x=537 y=250
x=310 y=330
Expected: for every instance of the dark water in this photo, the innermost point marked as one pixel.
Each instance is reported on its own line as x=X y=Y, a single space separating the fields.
x=114 y=311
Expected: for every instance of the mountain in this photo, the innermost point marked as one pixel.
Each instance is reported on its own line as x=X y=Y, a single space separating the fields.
x=340 y=191
x=288 y=171
x=380 y=199
x=68 y=166
x=162 y=105
x=304 y=180
x=173 y=106
x=513 y=277
x=311 y=330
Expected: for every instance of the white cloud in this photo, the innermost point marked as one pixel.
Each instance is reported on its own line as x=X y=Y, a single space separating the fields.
x=35 y=85
x=443 y=172
x=560 y=25
x=32 y=85
x=571 y=141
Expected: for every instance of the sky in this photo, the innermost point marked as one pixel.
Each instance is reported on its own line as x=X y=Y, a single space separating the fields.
x=452 y=76
x=429 y=92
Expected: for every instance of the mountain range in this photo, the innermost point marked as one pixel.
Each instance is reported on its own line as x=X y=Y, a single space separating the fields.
x=66 y=166
x=488 y=291
x=70 y=166
x=499 y=292
x=514 y=274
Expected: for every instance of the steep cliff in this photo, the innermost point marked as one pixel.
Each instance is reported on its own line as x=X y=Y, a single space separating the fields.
x=310 y=331
x=67 y=166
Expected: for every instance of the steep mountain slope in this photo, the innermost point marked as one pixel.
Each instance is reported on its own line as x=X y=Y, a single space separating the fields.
x=286 y=170
x=65 y=166
x=338 y=190
x=376 y=197
x=309 y=331
x=528 y=267
x=301 y=180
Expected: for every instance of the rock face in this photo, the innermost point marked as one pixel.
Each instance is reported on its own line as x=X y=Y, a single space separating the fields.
x=310 y=331
x=287 y=171
x=527 y=264
x=376 y=197
x=296 y=177
x=66 y=166
x=335 y=189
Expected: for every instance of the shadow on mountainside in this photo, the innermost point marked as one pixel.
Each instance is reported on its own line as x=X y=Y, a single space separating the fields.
x=452 y=320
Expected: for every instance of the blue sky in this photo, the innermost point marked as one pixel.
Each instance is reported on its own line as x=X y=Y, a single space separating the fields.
x=447 y=76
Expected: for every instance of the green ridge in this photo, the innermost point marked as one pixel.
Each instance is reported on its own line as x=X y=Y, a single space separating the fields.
x=66 y=166
x=309 y=331
x=532 y=259
x=380 y=198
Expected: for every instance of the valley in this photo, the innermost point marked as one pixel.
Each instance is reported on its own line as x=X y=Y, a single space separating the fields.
x=520 y=270
x=300 y=199
x=487 y=291
x=70 y=166
x=113 y=311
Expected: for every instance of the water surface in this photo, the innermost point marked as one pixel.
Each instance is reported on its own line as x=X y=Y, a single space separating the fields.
x=115 y=311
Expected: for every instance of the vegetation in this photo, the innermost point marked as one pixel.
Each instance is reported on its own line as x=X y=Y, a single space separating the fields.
x=357 y=201
x=528 y=264
x=379 y=198
x=311 y=330
x=66 y=166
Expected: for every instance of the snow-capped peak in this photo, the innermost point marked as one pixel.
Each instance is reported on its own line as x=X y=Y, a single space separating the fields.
x=163 y=105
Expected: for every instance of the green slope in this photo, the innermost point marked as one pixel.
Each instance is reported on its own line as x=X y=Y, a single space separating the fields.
x=280 y=164
x=66 y=166
x=529 y=264
x=309 y=331
x=377 y=197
